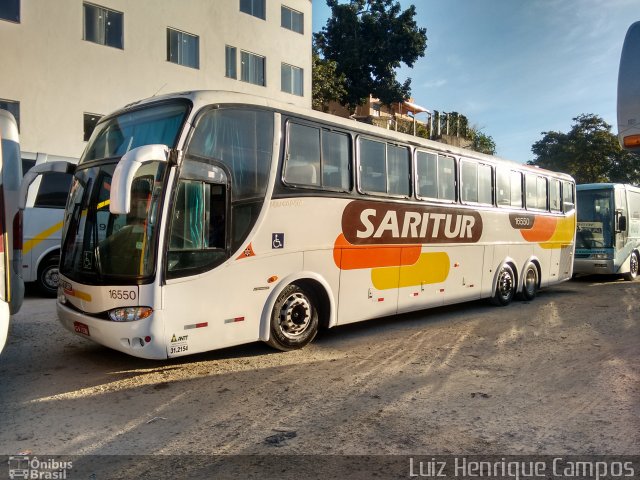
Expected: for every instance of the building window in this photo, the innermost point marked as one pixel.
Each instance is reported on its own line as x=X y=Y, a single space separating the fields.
x=291 y=79
x=292 y=20
x=252 y=68
x=103 y=26
x=230 y=55
x=10 y=10
x=90 y=121
x=13 y=108
x=183 y=48
x=254 y=7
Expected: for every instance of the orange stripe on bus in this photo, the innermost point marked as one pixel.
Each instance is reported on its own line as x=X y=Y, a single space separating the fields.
x=353 y=257
x=542 y=230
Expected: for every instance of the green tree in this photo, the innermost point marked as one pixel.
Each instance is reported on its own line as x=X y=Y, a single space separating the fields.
x=368 y=40
x=327 y=85
x=481 y=142
x=589 y=152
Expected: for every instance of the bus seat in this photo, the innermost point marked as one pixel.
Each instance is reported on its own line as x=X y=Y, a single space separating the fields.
x=303 y=174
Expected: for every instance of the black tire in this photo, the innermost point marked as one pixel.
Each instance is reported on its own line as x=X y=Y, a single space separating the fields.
x=294 y=320
x=505 y=287
x=48 y=276
x=530 y=282
x=633 y=268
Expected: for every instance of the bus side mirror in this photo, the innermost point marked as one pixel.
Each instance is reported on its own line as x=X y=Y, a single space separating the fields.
x=622 y=223
x=120 y=195
x=32 y=174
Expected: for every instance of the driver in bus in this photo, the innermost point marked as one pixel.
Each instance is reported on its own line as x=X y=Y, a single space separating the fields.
x=125 y=247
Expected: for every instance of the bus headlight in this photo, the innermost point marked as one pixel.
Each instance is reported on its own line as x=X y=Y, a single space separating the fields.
x=600 y=256
x=129 y=314
x=62 y=298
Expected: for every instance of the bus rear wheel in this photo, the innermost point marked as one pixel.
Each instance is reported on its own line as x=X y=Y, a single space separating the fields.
x=505 y=286
x=633 y=268
x=530 y=282
x=48 y=276
x=294 y=319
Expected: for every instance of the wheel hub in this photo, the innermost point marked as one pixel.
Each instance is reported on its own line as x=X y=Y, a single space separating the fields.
x=295 y=315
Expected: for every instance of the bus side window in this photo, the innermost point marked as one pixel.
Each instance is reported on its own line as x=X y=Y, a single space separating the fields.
x=516 y=189
x=336 y=159
x=568 y=202
x=427 y=174
x=303 y=156
x=468 y=181
x=503 y=188
x=198 y=227
x=485 y=184
x=398 y=170
x=554 y=195
x=373 y=171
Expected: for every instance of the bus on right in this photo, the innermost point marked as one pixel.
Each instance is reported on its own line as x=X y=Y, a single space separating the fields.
x=608 y=230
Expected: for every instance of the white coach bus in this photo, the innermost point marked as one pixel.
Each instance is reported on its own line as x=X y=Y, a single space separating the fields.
x=42 y=223
x=230 y=219
x=11 y=285
x=608 y=236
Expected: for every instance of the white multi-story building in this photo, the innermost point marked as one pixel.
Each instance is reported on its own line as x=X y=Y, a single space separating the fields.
x=67 y=62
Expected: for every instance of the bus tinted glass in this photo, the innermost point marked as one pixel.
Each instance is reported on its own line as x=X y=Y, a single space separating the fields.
x=595 y=219
x=117 y=135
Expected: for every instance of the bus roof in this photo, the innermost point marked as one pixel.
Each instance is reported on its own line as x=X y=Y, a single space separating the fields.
x=201 y=98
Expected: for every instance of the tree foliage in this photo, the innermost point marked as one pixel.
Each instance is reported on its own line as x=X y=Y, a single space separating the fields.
x=368 y=40
x=327 y=85
x=481 y=142
x=589 y=152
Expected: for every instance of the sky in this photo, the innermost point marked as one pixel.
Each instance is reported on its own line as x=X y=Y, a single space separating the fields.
x=517 y=68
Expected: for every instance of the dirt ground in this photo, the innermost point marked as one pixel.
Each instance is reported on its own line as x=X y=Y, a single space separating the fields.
x=558 y=375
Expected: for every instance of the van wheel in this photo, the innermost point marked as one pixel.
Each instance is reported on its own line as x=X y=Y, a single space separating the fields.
x=505 y=287
x=530 y=282
x=48 y=276
x=633 y=268
x=294 y=320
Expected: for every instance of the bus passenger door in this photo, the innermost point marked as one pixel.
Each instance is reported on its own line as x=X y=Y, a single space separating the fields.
x=368 y=282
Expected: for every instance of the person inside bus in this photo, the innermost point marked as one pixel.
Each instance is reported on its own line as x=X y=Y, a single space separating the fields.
x=124 y=248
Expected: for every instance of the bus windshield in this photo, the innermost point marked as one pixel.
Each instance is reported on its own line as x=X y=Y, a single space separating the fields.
x=595 y=219
x=117 y=135
x=98 y=245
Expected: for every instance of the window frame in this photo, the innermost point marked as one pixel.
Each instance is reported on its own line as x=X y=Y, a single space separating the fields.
x=572 y=188
x=510 y=174
x=478 y=164
x=105 y=11
x=537 y=177
x=292 y=69
x=291 y=13
x=322 y=131
x=416 y=178
x=230 y=54
x=182 y=34
x=253 y=9
x=386 y=145
x=18 y=11
x=85 y=122
x=252 y=56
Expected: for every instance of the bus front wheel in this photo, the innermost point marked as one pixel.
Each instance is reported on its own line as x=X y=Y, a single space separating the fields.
x=294 y=319
x=505 y=286
x=48 y=275
x=633 y=268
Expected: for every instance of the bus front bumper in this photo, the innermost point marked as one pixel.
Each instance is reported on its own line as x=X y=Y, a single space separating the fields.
x=139 y=338
x=590 y=266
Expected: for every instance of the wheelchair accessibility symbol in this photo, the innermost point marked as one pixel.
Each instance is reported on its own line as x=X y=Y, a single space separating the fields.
x=277 y=240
